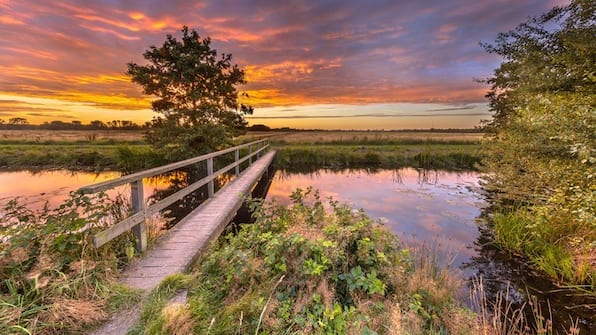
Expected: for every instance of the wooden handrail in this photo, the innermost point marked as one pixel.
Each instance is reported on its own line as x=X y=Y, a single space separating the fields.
x=136 y=221
x=109 y=184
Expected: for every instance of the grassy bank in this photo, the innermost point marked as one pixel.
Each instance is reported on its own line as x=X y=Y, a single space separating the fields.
x=562 y=249
x=304 y=151
x=297 y=151
x=322 y=268
x=94 y=156
x=448 y=156
x=307 y=270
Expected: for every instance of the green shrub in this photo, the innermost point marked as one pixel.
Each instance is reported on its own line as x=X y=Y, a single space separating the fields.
x=315 y=268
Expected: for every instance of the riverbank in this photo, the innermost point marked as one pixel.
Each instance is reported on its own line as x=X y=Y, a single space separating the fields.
x=87 y=156
x=296 y=151
x=414 y=300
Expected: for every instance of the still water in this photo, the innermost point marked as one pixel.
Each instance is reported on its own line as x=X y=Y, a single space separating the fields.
x=436 y=208
x=52 y=187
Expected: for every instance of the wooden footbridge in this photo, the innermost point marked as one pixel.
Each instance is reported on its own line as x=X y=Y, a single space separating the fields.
x=179 y=247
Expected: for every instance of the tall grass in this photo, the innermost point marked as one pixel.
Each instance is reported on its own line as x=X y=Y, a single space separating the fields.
x=345 y=156
x=74 y=157
x=499 y=316
x=52 y=279
x=546 y=245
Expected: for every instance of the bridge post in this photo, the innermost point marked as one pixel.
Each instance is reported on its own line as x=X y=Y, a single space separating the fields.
x=138 y=203
x=236 y=159
x=258 y=148
x=210 y=188
x=249 y=153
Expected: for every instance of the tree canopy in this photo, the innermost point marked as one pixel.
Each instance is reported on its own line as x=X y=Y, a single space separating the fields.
x=553 y=54
x=196 y=95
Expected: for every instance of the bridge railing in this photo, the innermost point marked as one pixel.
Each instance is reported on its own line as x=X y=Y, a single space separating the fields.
x=136 y=221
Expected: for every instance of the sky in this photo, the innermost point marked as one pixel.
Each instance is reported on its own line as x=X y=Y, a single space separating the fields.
x=336 y=64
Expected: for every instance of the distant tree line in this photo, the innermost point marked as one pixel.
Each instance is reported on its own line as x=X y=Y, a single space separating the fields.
x=262 y=127
x=22 y=123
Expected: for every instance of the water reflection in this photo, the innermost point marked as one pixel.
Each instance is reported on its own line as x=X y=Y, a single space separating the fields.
x=435 y=207
x=444 y=210
x=37 y=188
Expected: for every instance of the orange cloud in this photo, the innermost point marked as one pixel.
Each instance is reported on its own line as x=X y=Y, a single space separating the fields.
x=444 y=34
x=10 y=20
x=33 y=53
x=115 y=23
x=112 y=32
x=288 y=69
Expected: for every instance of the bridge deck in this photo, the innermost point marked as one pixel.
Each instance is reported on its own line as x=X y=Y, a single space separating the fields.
x=175 y=251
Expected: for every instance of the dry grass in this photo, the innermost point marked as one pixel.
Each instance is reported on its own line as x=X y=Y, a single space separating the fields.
x=177 y=319
x=72 y=314
x=70 y=135
x=289 y=137
x=331 y=136
x=500 y=317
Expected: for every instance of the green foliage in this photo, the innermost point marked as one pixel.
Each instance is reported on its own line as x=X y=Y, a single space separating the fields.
x=521 y=232
x=75 y=156
x=427 y=156
x=196 y=96
x=541 y=152
x=135 y=158
x=313 y=267
x=552 y=53
x=52 y=278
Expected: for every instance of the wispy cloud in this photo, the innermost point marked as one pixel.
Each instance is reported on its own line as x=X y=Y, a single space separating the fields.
x=294 y=52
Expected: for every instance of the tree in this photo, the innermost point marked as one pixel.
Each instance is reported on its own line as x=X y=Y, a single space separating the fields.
x=259 y=127
x=196 y=96
x=18 y=121
x=540 y=58
x=541 y=154
x=97 y=124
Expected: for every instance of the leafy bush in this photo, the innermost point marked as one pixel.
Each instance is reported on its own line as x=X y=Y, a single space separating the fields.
x=313 y=268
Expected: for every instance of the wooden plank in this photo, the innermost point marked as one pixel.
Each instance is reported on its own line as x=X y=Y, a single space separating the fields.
x=137 y=219
x=138 y=205
x=210 y=184
x=180 y=247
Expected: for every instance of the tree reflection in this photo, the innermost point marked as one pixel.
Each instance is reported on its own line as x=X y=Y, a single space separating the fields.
x=182 y=178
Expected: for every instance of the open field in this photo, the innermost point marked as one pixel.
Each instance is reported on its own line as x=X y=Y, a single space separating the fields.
x=106 y=149
x=289 y=137
x=70 y=135
x=348 y=137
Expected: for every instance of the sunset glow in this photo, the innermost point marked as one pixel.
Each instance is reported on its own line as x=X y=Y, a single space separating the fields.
x=66 y=60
